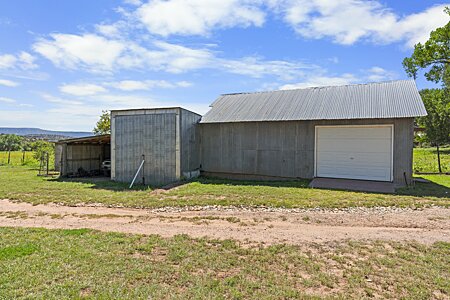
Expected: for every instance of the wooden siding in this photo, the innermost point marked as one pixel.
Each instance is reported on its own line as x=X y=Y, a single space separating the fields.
x=189 y=141
x=151 y=135
x=286 y=149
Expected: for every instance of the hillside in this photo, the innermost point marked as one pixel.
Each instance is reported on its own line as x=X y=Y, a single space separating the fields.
x=43 y=132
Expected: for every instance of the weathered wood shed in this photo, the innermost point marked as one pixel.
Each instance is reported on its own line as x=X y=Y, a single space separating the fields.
x=360 y=131
x=165 y=138
x=82 y=155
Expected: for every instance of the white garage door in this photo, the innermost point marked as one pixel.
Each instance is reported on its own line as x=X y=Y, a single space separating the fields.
x=354 y=152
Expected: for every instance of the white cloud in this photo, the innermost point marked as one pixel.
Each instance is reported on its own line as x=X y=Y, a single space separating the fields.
x=374 y=74
x=93 y=52
x=316 y=81
x=198 y=17
x=416 y=28
x=7 y=100
x=8 y=83
x=90 y=52
x=7 y=61
x=136 y=85
x=82 y=89
x=58 y=100
x=349 y=21
x=22 y=61
x=13 y=102
x=133 y=2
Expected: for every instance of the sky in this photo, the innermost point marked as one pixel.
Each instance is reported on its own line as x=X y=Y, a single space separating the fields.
x=63 y=62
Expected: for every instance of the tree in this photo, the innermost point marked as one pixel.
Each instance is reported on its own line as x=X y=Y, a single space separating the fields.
x=434 y=54
x=103 y=125
x=10 y=142
x=41 y=147
x=437 y=122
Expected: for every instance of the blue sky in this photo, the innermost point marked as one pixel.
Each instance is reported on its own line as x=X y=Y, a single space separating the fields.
x=63 y=62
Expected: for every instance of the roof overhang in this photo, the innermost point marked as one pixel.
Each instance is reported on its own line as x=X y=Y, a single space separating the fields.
x=96 y=139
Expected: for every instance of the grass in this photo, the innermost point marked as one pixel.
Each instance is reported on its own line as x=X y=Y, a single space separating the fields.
x=22 y=184
x=17 y=159
x=85 y=264
x=425 y=160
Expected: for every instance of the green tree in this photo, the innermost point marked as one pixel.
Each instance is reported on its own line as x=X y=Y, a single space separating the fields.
x=10 y=142
x=437 y=122
x=103 y=125
x=41 y=147
x=434 y=55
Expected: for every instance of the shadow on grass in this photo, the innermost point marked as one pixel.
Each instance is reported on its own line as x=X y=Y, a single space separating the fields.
x=104 y=183
x=421 y=189
x=425 y=189
x=300 y=183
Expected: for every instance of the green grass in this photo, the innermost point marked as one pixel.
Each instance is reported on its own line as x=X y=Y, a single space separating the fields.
x=22 y=184
x=85 y=264
x=17 y=159
x=425 y=160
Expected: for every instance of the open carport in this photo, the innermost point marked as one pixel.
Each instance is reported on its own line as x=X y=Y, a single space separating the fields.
x=82 y=156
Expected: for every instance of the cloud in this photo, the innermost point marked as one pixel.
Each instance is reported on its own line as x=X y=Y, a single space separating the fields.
x=90 y=52
x=7 y=100
x=71 y=51
x=58 y=100
x=8 y=83
x=82 y=89
x=136 y=85
x=349 y=21
x=198 y=17
x=13 y=102
x=374 y=74
x=21 y=61
x=317 y=81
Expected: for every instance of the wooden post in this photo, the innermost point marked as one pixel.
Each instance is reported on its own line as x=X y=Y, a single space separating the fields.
x=47 y=163
x=439 y=158
x=23 y=157
x=9 y=155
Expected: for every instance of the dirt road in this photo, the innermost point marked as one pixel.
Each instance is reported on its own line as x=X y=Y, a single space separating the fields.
x=254 y=226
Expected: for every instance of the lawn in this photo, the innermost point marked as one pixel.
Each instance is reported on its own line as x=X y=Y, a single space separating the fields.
x=425 y=160
x=22 y=184
x=74 y=264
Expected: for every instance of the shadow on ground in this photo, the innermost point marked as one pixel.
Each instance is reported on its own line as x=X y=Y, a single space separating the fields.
x=425 y=189
x=100 y=182
x=421 y=189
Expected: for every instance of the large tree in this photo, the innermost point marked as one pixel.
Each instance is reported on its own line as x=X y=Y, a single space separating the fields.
x=433 y=56
x=103 y=125
x=437 y=122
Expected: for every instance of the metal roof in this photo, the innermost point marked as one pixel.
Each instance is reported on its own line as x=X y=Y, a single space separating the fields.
x=94 y=139
x=393 y=99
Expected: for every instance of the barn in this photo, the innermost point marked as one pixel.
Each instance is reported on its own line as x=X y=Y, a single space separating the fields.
x=362 y=131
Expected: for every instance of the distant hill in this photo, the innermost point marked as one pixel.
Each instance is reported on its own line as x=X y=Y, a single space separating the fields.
x=42 y=132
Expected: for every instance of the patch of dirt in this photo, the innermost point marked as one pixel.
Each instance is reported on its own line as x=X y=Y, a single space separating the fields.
x=426 y=225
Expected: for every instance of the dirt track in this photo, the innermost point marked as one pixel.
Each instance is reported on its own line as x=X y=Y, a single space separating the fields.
x=427 y=225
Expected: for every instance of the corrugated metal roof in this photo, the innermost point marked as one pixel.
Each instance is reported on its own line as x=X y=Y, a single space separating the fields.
x=393 y=99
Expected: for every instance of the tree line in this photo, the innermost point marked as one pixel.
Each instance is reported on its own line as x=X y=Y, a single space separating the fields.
x=12 y=142
x=433 y=57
